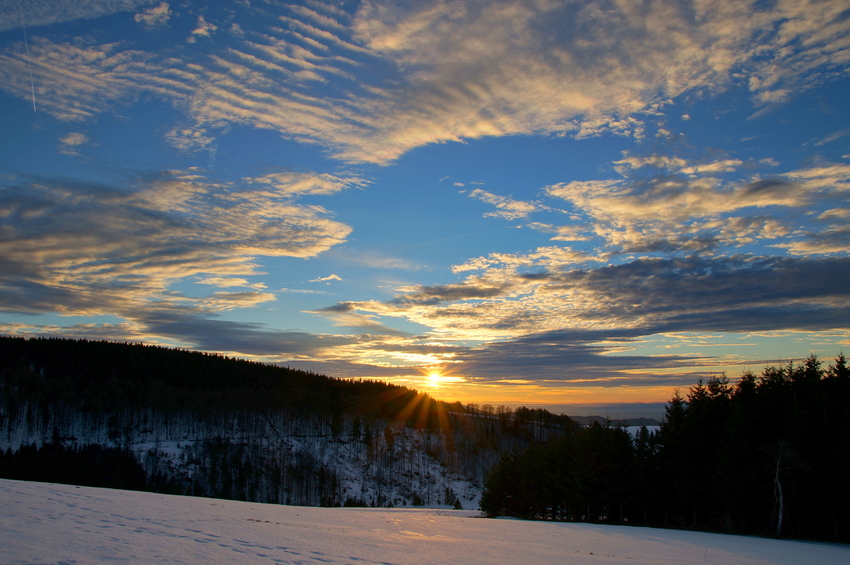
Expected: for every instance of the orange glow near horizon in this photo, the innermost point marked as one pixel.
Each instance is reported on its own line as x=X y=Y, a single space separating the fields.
x=441 y=384
x=538 y=395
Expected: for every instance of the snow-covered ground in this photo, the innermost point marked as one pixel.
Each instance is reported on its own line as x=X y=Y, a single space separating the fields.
x=62 y=524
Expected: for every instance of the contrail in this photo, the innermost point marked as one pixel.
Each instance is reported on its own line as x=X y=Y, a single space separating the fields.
x=27 y=45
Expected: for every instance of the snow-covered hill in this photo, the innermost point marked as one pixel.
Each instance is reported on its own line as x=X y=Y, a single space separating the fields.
x=279 y=457
x=47 y=523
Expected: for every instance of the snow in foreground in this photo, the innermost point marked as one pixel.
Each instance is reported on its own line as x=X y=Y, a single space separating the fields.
x=61 y=524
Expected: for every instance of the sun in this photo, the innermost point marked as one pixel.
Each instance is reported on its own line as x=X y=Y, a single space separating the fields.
x=435 y=377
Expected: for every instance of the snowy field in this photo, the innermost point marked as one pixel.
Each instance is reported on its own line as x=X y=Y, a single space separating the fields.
x=64 y=525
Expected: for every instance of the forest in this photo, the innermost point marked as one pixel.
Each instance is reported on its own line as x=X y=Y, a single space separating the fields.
x=766 y=455
x=186 y=422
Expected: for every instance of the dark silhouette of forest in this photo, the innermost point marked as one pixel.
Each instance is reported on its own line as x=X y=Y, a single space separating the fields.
x=243 y=430
x=767 y=455
x=100 y=376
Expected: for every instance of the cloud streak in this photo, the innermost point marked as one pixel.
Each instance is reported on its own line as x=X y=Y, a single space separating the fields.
x=47 y=12
x=733 y=294
x=447 y=71
x=80 y=248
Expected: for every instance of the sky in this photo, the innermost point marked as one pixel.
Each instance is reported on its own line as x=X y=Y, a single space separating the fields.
x=521 y=202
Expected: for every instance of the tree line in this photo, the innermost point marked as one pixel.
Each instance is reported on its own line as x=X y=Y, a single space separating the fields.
x=101 y=376
x=207 y=425
x=766 y=455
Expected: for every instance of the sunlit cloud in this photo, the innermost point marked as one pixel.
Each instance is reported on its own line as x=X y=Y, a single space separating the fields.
x=696 y=210
x=506 y=207
x=70 y=143
x=223 y=301
x=81 y=248
x=230 y=282
x=328 y=278
x=204 y=29
x=376 y=259
x=45 y=12
x=448 y=70
x=645 y=295
x=308 y=183
x=154 y=17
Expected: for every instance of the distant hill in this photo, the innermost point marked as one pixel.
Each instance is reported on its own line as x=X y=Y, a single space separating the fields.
x=622 y=422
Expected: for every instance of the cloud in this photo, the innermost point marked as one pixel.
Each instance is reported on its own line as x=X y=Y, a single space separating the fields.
x=169 y=325
x=833 y=136
x=344 y=315
x=724 y=166
x=732 y=294
x=210 y=334
x=75 y=82
x=578 y=358
x=834 y=240
x=330 y=277
x=561 y=324
x=46 y=12
x=74 y=247
x=553 y=257
x=302 y=291
x=674 y=199
x=685 y=208
x=204 y=29
x=441 y=71
x=230 y=282
x=309 y=183
x=563 y=233
x=375 y=259
x=506 y=207
x=664 y=162
x=223 y=301
x=155 y=16
x=69 y=143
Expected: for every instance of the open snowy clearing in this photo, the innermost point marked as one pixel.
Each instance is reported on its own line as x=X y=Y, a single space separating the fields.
x=62 y=524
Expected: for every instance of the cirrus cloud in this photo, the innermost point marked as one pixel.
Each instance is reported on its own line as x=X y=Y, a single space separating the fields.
x=74 y=247
x=447 y=70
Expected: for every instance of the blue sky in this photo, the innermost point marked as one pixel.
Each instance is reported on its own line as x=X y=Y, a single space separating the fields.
x=525 y=202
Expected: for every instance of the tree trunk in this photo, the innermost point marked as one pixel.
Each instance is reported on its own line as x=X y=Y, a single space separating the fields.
x=779 y=494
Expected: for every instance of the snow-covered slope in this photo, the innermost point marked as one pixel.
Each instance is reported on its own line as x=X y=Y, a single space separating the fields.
x=46 y=523
x=278 y=457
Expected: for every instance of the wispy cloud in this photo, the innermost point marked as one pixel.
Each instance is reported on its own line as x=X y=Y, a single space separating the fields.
x=833 y=136
x=506 y=207
x=328 y=278
x=445 y=71
x=693 y=210
x=203 y=29
x=70 y=143
x=230 y=282
x=83 y=248
x=46 y=12
x=345 y=315
x=308 y=183
x=155 y=16
x=646 y=296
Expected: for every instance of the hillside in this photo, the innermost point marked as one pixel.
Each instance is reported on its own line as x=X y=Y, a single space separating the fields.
x=152 y=418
